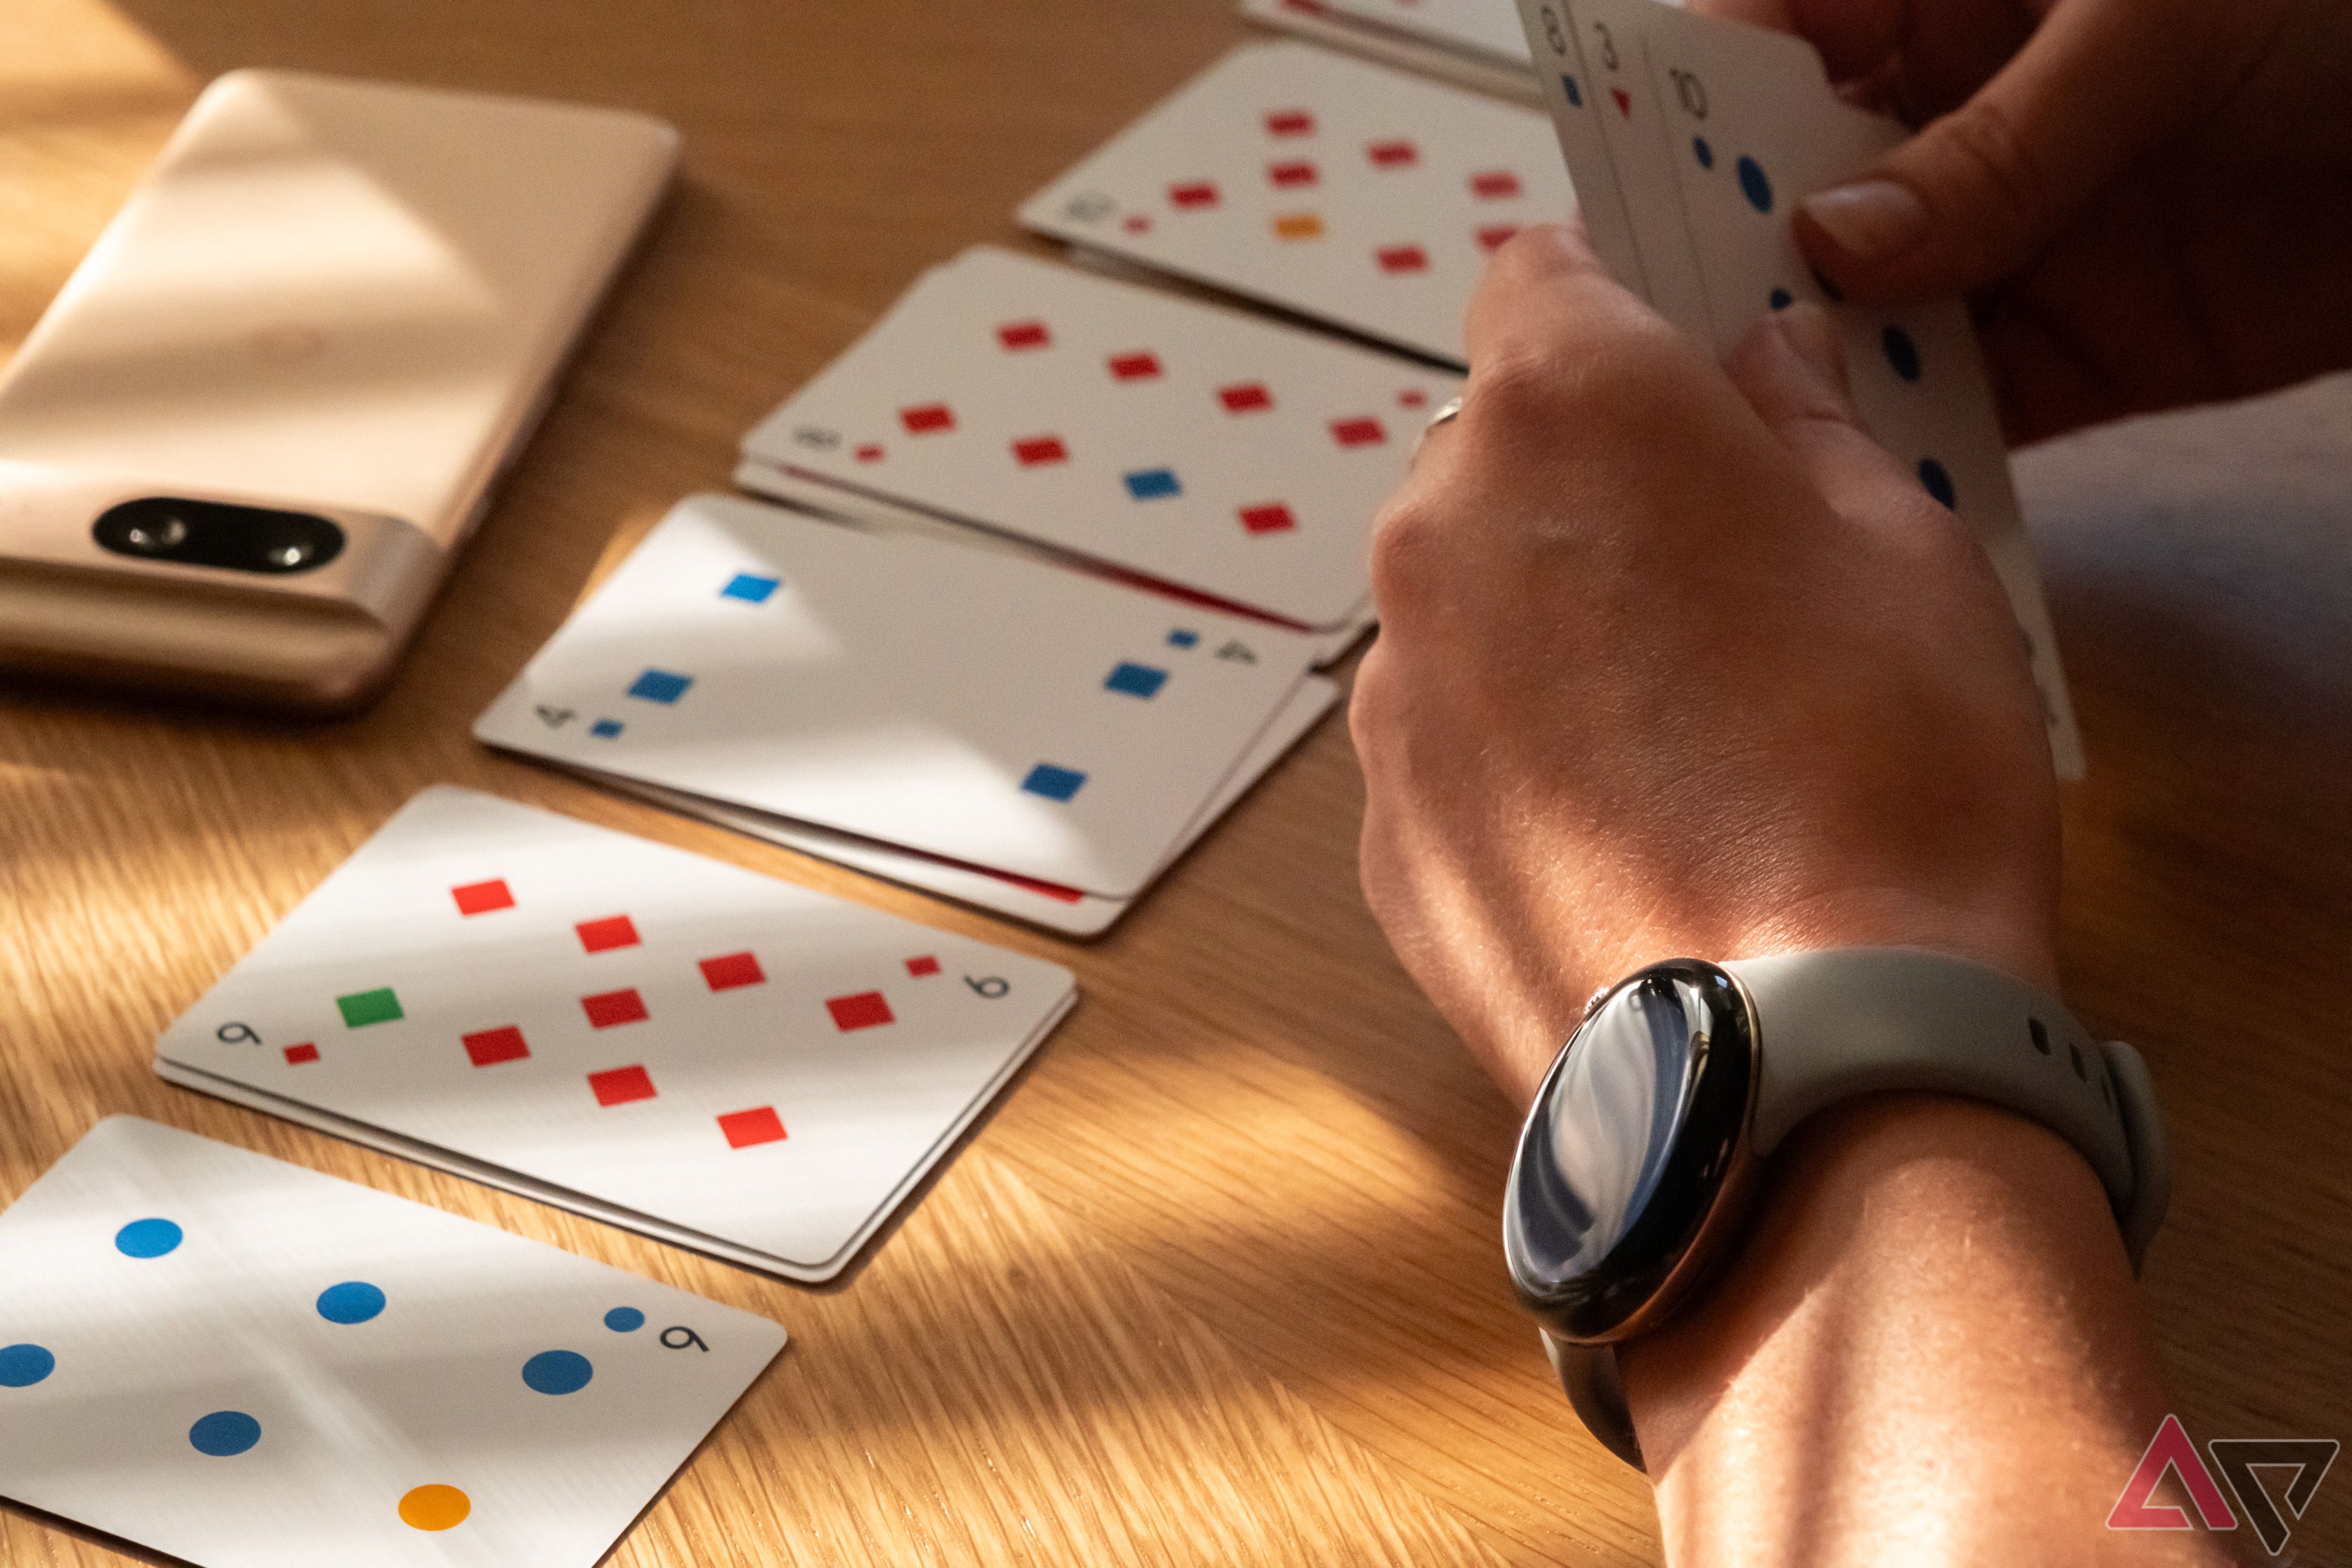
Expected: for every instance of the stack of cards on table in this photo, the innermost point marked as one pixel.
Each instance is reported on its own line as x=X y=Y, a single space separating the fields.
x=621 y=1029
x=246 y=1364
x=1475 y=42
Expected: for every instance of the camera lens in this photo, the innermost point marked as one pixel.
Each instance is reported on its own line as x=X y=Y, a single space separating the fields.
x=223 y=534
x=166 y=533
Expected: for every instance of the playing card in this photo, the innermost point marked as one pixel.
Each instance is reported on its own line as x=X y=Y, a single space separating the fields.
x=879 y=514
x=1489 y=27
x=961 y=701
x=1576 y=104
x=1752 y=127
x=1198 y=446
x=1065 y=909
x=247 y=1365
x=1326 y=185
x=1434 y=54
x=731 y=1056
x=1616 y=89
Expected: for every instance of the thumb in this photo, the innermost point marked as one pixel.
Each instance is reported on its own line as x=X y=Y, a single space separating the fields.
x=1982 y=189
x=1792 y=372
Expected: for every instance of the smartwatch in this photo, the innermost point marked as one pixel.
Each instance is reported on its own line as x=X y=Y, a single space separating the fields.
x=1644 y=1149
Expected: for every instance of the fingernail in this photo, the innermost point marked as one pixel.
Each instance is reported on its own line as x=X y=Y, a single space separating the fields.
x=1872 y=220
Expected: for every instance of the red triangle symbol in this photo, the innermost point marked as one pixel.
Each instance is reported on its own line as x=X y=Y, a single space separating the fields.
x=1624 y=104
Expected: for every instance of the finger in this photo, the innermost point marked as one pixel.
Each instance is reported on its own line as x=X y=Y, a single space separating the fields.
x=1544 y=293
x=1792 y=370
x=1978 y=193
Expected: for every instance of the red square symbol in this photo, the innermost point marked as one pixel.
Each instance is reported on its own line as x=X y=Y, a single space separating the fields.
x=1493 y=184
x=1037 y=449
x=1397 y=154
x=302 y=1053
x=619 y=1085
x=608 y=1008
x=869 y=453
x=863 y=1010
x=1246 y=398
x=1411 y=397
x=1492 y=236
x=744 y=1128
x=924 y=418
x=1273 y=517
x=1364 y=431
x=1403 y=258
x=1135 y=223
x=926 y=964
x=481 y=897
x=603 y=936
x=1289 y=122
x=1299 y=172
x=495 y=1045
x=1142 y=365
x=724 y=974
x=1023 y=335
x=1194 y=194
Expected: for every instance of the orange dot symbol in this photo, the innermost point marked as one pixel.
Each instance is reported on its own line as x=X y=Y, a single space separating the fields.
x=434 y=1507
x=1298 y=226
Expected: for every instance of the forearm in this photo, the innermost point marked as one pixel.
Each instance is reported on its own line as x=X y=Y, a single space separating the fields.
x=1930 y=1351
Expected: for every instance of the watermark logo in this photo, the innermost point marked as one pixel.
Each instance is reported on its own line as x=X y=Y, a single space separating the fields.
x=2305 y=1461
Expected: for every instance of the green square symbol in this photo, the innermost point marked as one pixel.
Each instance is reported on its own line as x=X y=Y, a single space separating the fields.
x=378 y=1006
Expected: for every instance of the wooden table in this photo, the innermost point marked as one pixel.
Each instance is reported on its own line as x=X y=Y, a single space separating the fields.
x=1218 y=1283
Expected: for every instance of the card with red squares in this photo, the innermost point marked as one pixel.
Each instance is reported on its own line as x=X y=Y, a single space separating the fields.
x=1339 y=189
x=1197 y=445
x=622 y=1027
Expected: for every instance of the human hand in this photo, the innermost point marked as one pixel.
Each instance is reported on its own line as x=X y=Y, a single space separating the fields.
x=1675 y=662
x=2150 y=201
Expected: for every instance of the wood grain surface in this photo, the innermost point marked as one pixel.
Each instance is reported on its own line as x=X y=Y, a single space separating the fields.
x=1218 y=1282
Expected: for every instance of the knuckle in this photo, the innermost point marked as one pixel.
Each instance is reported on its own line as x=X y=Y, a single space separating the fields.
x=1992 y=160
x=1409 y=555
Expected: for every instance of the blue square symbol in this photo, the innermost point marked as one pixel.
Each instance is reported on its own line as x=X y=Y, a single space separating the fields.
x=660 y=686
x=1148 y=484
x=1179 y=638
x=1053 y=783
x=750 y=588
x=1137 y=680
x=605 y=728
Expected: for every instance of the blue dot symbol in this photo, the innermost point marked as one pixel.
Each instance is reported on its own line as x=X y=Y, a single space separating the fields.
x=1575 y=93
x=660 y=685
x=1180 y=638
x=1781 y=299
x=1754 y=185
x=1940 y=483
x=1137 y=680
x=1900 y=352
x=353 y=1301
x=22 y=1366
x=1149 y=484
x=558 y=1372
x=1703 y=153
x=147 y=1238
x=223 y=1433
x=1052 y=782
x=750 y=587
x=624 y=1320
x=605 y=728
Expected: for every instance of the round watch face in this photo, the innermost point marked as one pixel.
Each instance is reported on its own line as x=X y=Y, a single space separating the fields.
x=1633 y=1135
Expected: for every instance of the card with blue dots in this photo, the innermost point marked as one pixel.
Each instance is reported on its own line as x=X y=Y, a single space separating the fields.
x=623 y=1029
x=243 y=1364
x=972 y=704
x=1716 y=130
x=1218 y=451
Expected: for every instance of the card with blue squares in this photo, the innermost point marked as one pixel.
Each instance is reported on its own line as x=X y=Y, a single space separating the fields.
x=1710 y=133
x=983 y=707
x=1211 y=450
x=243 y=1364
